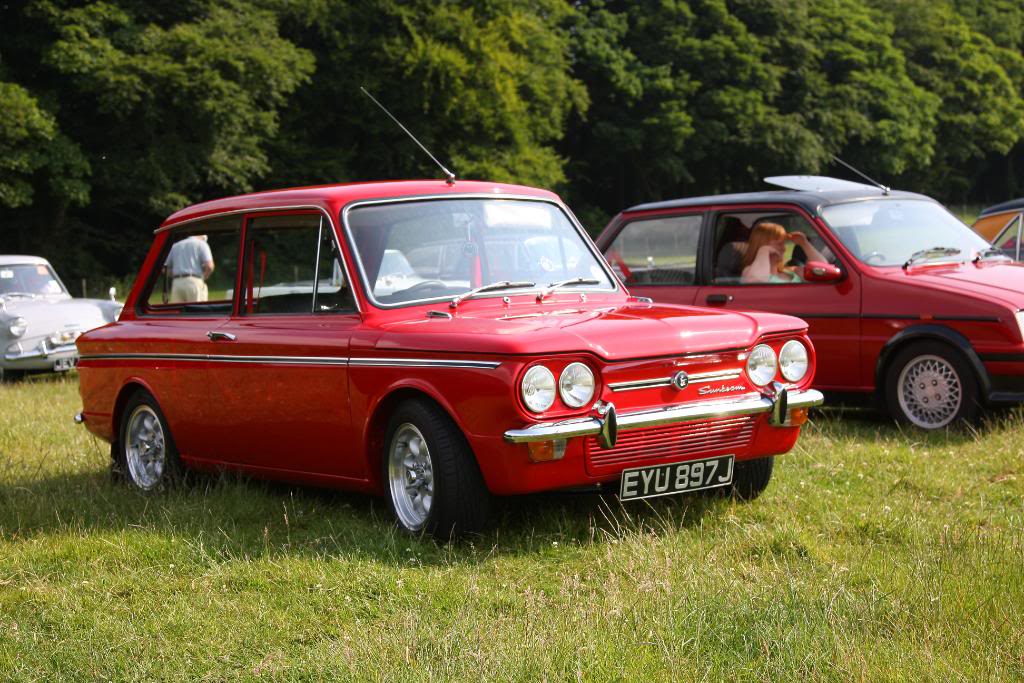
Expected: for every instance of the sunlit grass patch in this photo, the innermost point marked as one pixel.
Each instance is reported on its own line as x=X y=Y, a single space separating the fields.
x=875 y=554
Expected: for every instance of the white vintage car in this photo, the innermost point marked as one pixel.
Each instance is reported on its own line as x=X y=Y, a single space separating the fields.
x=39 y=320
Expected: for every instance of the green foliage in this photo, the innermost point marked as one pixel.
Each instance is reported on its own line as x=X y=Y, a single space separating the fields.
x=115 y=113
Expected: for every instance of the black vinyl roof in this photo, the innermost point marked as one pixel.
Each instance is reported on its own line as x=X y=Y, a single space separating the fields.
x=1004 y=206
x=811 y=201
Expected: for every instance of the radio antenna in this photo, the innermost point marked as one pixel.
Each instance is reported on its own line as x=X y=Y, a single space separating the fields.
x=450 y=177
x=880 y=186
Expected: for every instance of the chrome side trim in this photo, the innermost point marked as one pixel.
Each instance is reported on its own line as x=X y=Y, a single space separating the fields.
x=697 y=378
x=423 y=363
x=587 y=426
x=301 y=360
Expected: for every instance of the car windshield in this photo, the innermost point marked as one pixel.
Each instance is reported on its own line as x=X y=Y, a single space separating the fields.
x=29 y=279
x=891 y=232
x=438 y=249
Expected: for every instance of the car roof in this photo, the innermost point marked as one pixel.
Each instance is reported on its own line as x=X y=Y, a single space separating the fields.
x=332 y=196
x=16 y=259
x=1003 y=206
x=811 y=201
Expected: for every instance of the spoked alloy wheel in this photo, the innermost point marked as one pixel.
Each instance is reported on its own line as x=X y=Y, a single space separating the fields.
x=145 y=448
x=430 y=474
x=410 y=476
x=930 y=392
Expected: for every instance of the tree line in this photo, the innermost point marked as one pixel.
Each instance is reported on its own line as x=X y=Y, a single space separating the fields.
x=115 y=113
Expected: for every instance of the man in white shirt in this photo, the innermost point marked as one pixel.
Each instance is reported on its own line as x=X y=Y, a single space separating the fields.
x=189 y=264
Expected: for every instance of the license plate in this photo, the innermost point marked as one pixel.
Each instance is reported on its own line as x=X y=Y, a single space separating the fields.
x=677 y=477
x=65 y=364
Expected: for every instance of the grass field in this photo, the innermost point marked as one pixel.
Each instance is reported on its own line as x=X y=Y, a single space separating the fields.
x=874 y=555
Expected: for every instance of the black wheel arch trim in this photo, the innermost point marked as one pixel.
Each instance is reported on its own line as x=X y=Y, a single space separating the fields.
x=934 y=333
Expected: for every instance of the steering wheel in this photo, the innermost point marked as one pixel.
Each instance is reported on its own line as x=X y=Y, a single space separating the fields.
x=426 y=284
x=874 y=255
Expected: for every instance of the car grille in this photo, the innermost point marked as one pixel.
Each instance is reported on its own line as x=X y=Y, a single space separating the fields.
x=680 y=441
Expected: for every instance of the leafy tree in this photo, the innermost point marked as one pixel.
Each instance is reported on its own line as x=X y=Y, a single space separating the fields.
x=483 y=84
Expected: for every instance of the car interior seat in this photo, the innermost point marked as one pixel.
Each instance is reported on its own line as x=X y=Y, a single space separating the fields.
x=732 y=247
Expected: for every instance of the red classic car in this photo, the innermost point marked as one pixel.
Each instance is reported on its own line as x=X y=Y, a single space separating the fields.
x=904 y=301
x=436 y=343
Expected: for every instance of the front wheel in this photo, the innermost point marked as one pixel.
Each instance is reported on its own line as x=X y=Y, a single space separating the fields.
x=433 y=481
x=750 y=477
x=930 y=386
x=144 y=455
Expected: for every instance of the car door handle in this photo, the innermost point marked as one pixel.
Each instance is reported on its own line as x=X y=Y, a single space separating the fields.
x=220 y=336
x=718 y=299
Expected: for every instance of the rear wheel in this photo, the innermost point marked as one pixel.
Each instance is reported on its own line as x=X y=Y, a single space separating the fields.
x=433 y=481
x=145 y=456
x=929 y=385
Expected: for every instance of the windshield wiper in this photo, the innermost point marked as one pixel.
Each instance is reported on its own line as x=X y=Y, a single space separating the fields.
x=930 y=253
x=27 y=295
x=564 y=283
x=505 y=284
x=990 y=252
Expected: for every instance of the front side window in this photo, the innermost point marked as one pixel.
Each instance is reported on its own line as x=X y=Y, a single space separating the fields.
x=1009 y=240
x=292 y=267
x=29 y=280
x=657 y=251
x=889 y=232
x=765 y=247
x=196 y=270
x=437 y=249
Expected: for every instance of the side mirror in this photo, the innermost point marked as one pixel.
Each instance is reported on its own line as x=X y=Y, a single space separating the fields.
x=113 y=293
x=817 y=271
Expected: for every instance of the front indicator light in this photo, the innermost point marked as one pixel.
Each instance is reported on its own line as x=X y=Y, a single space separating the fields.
x=538 y=389
x=546 y=451
x=761 y=365
x=793 y=360
x=576 y=385
x=797 y=417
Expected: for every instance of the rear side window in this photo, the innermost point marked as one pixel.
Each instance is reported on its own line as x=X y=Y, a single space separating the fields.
x=196 y=270
x=657 y=251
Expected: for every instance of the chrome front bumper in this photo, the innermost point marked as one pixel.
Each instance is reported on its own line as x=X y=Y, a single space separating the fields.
x=41 y=350
x=607 y=423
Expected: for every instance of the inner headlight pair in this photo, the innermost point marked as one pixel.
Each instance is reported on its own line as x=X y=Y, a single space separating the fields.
x=792 y=360
x=575 y=386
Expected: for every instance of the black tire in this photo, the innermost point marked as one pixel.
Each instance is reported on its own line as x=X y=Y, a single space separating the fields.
x=750 y=477
x=938 y=366
x=137 y=475
x=459 y=502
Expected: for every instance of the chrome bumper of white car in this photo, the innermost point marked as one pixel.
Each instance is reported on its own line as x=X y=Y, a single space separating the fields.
x=607 y=423
x=43 y=349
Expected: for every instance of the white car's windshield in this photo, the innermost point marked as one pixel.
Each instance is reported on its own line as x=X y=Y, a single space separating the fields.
x=893 y=232
x=440 y=249
x=29 y=279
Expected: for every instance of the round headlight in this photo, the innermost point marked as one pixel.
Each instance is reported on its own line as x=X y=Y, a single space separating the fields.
x=793 y=360
x=576 y=385
x=538 y=388
x=761 y=365
x=18 y=327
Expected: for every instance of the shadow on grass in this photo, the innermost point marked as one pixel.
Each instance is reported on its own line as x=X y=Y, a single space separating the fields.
x=230 y=516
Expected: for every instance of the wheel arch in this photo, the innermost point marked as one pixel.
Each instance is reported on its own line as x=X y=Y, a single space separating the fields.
x=380 y=414
x=930 y=332
x=130 y=386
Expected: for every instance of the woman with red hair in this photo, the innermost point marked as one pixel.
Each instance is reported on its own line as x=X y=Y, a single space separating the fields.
x=763 y=261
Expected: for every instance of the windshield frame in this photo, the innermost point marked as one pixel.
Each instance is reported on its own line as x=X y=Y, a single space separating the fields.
x=64 y=290
x=581 y=232
x=955 y=259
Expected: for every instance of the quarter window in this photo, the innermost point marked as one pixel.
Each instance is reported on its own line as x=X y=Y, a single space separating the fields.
x=292 y=266
x=657 y=251
x=195 y=272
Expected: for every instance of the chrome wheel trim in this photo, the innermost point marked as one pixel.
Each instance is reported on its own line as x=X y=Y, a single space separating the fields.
x=145 y=448
x=410 y=476
x=930 y=392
